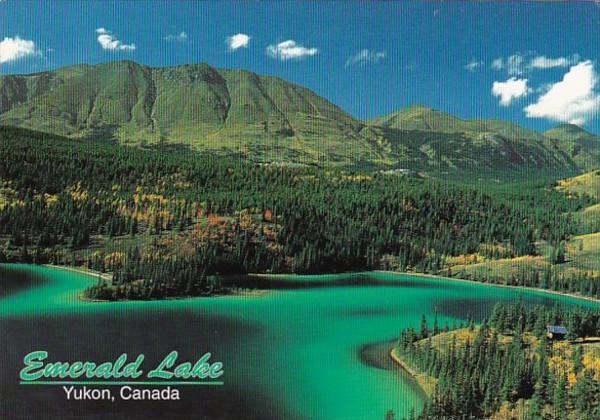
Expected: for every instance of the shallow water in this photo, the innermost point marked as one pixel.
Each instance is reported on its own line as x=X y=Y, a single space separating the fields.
x=289 y=354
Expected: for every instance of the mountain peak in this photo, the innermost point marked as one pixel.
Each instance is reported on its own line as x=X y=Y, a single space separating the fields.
x=417 y=107
x=569 y=126
x=422 y=118
x=190 y=104
x=567 y=131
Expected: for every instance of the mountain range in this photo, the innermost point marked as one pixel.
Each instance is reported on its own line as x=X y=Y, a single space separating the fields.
x=268 y=119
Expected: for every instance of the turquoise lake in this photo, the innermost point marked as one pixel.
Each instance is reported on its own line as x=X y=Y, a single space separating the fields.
x=287 y=354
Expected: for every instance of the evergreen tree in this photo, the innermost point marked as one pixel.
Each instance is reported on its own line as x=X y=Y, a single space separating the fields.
x=424 y=329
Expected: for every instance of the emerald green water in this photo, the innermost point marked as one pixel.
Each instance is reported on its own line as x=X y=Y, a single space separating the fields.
x=288 y=354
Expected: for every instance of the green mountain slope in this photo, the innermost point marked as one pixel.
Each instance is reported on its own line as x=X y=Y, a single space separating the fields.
x=262 y=118
x=427 y=119
x=471 y=145
x=195 y=105
x=421 y=118
x=583 y=147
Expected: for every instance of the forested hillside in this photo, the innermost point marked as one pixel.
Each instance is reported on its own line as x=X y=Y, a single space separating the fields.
x=165 y=222
x=571 y=263
x=508 y=368
x=503 y=143
x=582 y=146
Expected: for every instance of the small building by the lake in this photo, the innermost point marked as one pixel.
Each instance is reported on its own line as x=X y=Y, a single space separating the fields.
x=556 y=332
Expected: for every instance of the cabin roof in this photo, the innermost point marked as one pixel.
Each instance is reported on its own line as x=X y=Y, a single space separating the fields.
x=556 y=329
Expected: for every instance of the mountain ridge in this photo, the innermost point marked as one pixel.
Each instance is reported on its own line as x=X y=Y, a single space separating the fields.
x=182 y=104
x=582 y=146
x=260 y=117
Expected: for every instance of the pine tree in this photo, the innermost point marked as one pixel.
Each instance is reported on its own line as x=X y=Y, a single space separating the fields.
x=577 y=359
x=585 y=393
x=559 y=399
x=424 y=329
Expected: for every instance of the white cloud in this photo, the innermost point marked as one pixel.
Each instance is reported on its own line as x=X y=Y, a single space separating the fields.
x=180 y=37
x=238 y=41
x=474 y=65
x=497 y=64
x=109 y=42
x=366 y=56
x=12 y=49
x=574 y=99
x=510 y=90
x=290 y=50
x=543 y=62
x=514 y=64
x=518 y=63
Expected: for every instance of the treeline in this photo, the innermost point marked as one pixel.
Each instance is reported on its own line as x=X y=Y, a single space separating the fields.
x=143 y=277
x=59 y=196
x=585 y=283
x=479 y=377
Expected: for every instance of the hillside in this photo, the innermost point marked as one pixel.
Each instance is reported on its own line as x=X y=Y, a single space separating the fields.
x=508 y=367
x=503 y=144
x=422 y=118
x=267 y=119
x=583 y=147
x=585 y=184
x=580 y=250
x=195 y=105
x=71 y=201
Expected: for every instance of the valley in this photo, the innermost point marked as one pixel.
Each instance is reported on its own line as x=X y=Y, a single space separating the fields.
x=218 y=195
x=203 y=218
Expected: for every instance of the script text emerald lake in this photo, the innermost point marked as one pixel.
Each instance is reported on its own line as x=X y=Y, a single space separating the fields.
x=38 y=368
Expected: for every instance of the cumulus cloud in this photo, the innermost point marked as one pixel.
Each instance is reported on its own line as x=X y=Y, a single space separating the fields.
x=543 y=62
x=109 y=42
x=574 y=99
x=180 y=37
x=12 y=49
x=366 y=56
x=510 y=90
x=238 y=41
x=474 y=65
x=290 y=50
x=518 y=63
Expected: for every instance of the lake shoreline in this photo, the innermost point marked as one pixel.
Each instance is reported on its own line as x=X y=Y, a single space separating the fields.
x=260 y=292
x=438 y=277
x=506 y=286
x=395 y=305
x=81 y=270
x=417 y=377
x=108 y=277
x=380 y=355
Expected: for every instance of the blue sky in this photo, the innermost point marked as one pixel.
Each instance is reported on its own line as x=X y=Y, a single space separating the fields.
x=533 y=63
